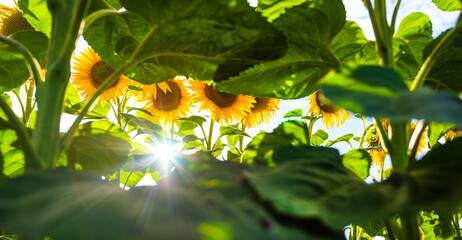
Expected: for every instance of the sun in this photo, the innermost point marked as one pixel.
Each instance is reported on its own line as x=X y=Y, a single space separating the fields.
x=223 y=107
x=331 y=114
x=90 y=73
x=12 y=20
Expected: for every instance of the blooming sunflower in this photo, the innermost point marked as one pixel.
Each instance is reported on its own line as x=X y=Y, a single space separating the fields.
x=423 y=139
x=331 y=113
x=261 y=111
x=12 y=20
x=224 y=107
x=150 y=90
x=167 y=105
x=90 y=73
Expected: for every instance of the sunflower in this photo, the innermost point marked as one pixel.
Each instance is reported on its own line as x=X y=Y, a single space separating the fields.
x=451 y=134
x=12 y=20
x=331 y=113
x=167 y=105
x=224 y=107
x=90 y=73
x=423 y=139
x=261 y=111
x=373 y=140
x=150 y=90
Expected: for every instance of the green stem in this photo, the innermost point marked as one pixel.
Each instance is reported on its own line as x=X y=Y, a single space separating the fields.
x=108 y=82
x=361 y=143
x=399 y=141
x=415 y=146
x=119 y=111
x=29 y=107
x=354 y=231
x=23 y=110
x=209 y=142
x=393 y=229
x=31 y=161
x=410 y=228
x=241 y=139
x=95 y=15
x=386 y=144
x=359 y=234
x=310 y=128
x=395 y=15
x=456 y=224
x=126 y=181
x=32 y=64
x=66 y=24
x=431 y=59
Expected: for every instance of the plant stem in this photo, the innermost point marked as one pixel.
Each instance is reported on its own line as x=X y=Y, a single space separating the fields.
x=66 y=22
x=29 y=107
x=410 y=228
x=392 y=229
x=23 y=110
x=31 y=161
x=386 y=144
x=415 y=146
x=395 y=14
x=400 y=141
x=361 y=143
x=456 y=224
x=126 y=181
x=209 y=142
x=241 y=139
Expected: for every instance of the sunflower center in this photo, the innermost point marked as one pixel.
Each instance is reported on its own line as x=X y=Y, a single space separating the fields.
x=221 y=99
x=260 y=104
x=15 y=23
x=325 y=105
x=170 y=100
x=99 y=72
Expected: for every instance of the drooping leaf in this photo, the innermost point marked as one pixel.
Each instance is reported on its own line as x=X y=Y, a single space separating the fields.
x=272 y=9
x=37 y=14
x=99 y=153
x=345 y=138
x=381 y=92
x=437 y=130
x=294 y=113
x=130 y=179
x=229 y=130
x=305 y=62
x=101 y=127
x=319 y=137
x=195 y=119
x=448 y=5
x=358 y=161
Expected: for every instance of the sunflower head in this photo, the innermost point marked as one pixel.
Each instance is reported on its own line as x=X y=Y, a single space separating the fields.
x=90 y=73
x=331 y=114
x=262 y=111
x=12 y=20
x=224 y=107
x=423 y=139
x=451 y=134
x=167 y=105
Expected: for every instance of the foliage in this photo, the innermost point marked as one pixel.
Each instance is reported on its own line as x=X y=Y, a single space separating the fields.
x=220 y=182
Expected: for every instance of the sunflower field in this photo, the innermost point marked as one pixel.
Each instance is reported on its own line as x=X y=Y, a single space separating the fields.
x=198 y=75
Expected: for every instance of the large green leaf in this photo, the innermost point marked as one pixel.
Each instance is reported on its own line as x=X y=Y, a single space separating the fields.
x=307 y=59
x=194 y=39
x=272 y=9
x=319 y=137
x=410 y=40
x=437 y=130
x=261 y=147
x=448 y=5
x=446 y=75
x=36 y=12
x=100 y=153
x=311 y=182
x=358 y=161
x=101 y=127
x=13 y=68
x=381 y=92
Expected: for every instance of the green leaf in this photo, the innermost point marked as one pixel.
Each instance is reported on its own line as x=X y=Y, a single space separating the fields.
x=358 y=161
x=37 y=14
x=445 y=74
x=186 y=128
x=448 y=5
x=306 y=61
x=319 y=137
x=11 y=157
x=345 y=138
x=410 y=40
x=437 y=130
x=294 y=113
x=261 y=147
x=195 y=119
x=8 y=101
x=380 y=92
x=14 y=71
x=229 y=130
x=130 y=179
x=101 y=127
x=99 y=153
x=189 y=138
x=232 y=140
x=272 y=9
x=147 y=126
